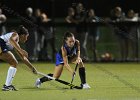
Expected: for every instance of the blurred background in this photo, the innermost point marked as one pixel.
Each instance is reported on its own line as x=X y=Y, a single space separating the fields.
x=108 y=30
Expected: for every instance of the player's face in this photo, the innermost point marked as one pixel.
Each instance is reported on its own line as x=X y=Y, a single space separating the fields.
x=70 y=41
x=24 y=38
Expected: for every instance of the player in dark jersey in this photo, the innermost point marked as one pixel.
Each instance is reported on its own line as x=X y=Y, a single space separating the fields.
x=69 y=52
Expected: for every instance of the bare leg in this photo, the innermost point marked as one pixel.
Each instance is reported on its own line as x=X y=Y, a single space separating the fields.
x=57 y=73
x=10 y=58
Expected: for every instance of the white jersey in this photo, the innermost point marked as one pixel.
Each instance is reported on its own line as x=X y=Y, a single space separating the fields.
x=6 y=38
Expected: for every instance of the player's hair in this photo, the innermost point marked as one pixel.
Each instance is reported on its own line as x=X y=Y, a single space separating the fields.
x=66 y=35
x=22 y=30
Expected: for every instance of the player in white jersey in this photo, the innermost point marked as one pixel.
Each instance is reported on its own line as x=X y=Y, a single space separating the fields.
x=9 y=42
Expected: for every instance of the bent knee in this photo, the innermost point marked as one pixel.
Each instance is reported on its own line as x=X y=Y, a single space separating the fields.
x=56 y=76
x=14 y=63
x=81 y=64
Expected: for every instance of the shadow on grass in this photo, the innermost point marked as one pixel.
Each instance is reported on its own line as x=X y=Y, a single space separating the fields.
x=42 y=89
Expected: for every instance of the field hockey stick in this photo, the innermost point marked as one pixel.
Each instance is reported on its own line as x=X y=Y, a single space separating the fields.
x=60 y=81
x=74 y=74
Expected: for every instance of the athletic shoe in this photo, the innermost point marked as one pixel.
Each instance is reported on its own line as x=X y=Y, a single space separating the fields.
x=86 y=86
x=9 y=88
x=37 y=83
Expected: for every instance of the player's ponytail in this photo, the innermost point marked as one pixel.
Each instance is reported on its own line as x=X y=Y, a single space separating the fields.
x=22 y=30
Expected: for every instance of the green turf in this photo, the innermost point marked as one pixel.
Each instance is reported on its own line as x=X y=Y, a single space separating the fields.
x=107 y=81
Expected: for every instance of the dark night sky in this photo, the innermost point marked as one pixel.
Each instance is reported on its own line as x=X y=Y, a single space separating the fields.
x=102 y=7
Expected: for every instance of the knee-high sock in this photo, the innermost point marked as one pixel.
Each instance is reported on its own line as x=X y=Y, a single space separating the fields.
x=82 y=75
x=44 y=79
x=10 y=75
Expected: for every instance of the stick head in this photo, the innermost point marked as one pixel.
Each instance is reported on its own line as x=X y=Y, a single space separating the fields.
x=71 y=87
x=76 y=87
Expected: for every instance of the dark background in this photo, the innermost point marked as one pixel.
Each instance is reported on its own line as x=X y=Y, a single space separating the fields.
x=58 y=8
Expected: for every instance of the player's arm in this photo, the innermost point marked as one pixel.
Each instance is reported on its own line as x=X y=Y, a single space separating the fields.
x=27 y=62
x=66 y=64
x=78 y=60
x=78 y=48
x=22 y=53
x=14 y=39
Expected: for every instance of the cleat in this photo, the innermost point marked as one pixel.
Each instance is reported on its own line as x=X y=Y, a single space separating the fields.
x=37 y=83
x=9 y=88
x=85 y=86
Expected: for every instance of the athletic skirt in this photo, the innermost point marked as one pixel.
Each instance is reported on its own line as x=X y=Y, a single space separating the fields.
x=3 y=46
x=59 y=59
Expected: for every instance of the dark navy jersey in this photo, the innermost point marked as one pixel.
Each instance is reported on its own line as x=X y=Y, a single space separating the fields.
x=70 y=52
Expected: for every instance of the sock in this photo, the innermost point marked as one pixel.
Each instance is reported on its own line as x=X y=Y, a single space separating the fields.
x=44 y=79
x=82 y=75
x=10 y=75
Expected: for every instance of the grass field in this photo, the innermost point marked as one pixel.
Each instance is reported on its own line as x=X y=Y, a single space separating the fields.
x=108 y=81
